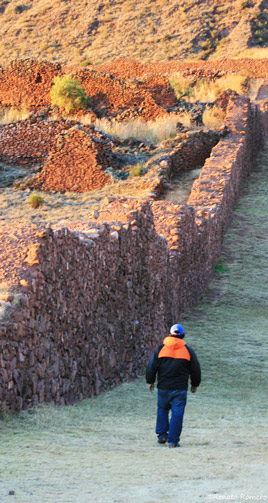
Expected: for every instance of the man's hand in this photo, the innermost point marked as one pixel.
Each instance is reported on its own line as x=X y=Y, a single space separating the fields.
x=193 y=389
x=151 y=387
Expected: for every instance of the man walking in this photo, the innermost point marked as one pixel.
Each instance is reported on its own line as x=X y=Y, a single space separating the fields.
x=173 y=362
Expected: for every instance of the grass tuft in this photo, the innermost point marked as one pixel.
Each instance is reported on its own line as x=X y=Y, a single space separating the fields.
x=136 y=170
x=182 y=86
x=35 y=200
x=13 y=114
x=221 y=268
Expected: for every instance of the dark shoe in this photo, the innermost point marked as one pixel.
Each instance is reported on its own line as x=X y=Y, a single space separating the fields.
x=174 y=445
x=162 y=438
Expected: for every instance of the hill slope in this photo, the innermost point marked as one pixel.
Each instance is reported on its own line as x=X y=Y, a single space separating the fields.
x=156 y=30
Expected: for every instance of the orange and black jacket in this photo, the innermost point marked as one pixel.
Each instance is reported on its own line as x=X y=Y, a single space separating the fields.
x=173 y=362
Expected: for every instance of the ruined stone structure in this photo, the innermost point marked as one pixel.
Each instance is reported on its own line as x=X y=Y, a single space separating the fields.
x=85 y=303
x=32 y=140
x=73 y=165
x=29 y=83
x=73 y=157
x=131 y=69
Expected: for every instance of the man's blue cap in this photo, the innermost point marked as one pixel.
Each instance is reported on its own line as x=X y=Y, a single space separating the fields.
x=177 y=330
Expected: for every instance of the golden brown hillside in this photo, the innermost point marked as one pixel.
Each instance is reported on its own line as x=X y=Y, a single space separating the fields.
x=79 y=31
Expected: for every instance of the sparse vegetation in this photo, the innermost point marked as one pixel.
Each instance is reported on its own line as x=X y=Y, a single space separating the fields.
x=86 y=63
x=13 y=114
x=245 y=4
x=185 y=119
x=213 y=118
x=135 y=170
x=260 y=28
x=68 y=94
x=153 y=131
x=159 y=31
x=182 y=86
x=35 y=200
x=207 y=90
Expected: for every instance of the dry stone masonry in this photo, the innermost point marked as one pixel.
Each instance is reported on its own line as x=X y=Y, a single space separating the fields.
x=83 y=304
x=29 y=82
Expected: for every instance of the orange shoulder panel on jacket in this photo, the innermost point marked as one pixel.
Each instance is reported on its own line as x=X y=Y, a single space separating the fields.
x=171 y=352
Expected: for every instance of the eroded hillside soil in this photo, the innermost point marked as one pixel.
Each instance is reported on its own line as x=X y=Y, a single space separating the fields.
x=104 y=449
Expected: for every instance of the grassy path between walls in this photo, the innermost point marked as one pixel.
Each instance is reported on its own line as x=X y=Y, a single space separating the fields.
x=104 y=450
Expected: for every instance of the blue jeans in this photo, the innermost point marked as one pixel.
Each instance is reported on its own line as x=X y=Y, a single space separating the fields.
x=174 y=400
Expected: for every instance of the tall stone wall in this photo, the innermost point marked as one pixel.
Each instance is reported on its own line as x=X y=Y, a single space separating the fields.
x=86 y=304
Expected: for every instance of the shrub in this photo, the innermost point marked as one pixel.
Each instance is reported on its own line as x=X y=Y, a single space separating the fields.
x=68 y=94
x=245 y=4
x=35 y=200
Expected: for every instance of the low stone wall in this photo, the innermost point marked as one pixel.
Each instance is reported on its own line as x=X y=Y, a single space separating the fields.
x=129 y=68
x=189 y=154
x=30 y=141
x=86 y=304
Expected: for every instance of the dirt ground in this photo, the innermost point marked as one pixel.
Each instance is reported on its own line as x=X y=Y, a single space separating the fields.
x=69 y=206
x=104 y=450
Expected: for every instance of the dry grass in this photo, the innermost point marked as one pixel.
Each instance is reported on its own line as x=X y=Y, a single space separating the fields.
x=213 y=118
x=183 y=86
x=208 y=90
x=153 y=31
x=136 y=170
x=13 y=114
x=253 y=53
x=153 y=131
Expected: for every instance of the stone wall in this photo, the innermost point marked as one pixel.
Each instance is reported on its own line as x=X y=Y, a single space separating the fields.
x=83 y=310
x=73 y=157
x=189 y=153
x=32 y=140
x=128 y=68
x=75 y=164
x=86 y=304
x=27 y=82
